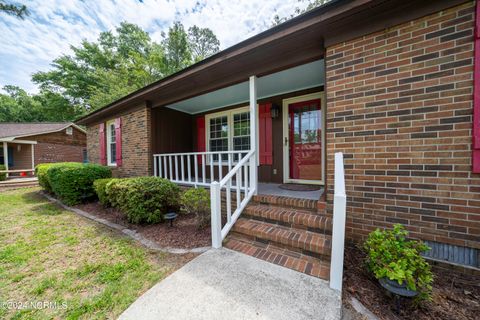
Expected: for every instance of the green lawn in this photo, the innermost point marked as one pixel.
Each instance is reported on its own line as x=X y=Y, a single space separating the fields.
x=50 y=254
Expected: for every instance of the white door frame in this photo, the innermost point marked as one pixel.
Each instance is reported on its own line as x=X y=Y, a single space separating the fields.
x=286 y=160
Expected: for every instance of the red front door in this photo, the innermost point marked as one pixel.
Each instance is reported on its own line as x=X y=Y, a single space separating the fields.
x=305 y=136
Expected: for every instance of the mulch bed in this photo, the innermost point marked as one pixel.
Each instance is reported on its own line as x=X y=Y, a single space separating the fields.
x=455 y=295
x=183 y=234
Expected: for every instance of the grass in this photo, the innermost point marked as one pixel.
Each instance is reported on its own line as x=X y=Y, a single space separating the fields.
x=48 y=254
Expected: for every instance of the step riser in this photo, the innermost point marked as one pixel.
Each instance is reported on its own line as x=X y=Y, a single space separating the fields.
x=283 y=237
x=323 y=230
x=309 y=267
x=292 y=203
x=260 y=242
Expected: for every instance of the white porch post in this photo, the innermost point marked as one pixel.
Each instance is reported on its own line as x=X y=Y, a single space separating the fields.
x=5 y=156
x=33 y=157
x=253 y=132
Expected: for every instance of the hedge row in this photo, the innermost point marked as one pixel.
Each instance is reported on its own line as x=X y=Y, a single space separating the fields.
x=72 y=182
x=142 y=199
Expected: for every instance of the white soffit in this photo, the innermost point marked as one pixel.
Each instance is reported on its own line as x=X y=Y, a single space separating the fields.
x=294 y=79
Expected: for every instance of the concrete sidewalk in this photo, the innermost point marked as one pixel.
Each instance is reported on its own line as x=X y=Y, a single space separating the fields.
x=224 y=284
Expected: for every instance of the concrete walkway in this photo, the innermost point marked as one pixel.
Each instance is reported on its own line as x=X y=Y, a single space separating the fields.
x=224 y=284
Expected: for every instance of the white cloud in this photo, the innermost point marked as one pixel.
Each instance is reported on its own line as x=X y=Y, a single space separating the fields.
x=28 y=46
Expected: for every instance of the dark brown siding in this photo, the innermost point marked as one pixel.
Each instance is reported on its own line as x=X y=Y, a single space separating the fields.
x=171 y=131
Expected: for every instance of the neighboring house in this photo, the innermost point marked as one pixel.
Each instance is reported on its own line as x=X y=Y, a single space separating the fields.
x=387 y=83
x=24 y=145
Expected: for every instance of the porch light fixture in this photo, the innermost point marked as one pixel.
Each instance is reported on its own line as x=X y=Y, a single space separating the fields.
x=274 y=111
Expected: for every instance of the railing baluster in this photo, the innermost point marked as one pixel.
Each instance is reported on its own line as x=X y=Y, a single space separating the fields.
x=220 y=173
x=189 y=169
x=239 y=185
x=183 y=169
x=212 y=174
x=160 y=171
x=229 y=202
x=165 y=167
x=203 y=168
x=195 y=161
x=176 y=168
x=245 y=170
x=170 y=169
x=155 y=169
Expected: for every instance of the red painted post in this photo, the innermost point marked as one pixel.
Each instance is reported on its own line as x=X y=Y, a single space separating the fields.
x=476 y=95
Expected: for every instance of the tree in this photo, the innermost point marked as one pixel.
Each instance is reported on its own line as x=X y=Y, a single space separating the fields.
x=118 y=63
x=18 y=10
x=312 y=4
x=96 y=69
x=177 y=49
x=203 y=43
x=19 y=106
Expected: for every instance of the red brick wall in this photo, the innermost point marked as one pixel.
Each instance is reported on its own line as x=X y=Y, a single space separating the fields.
x=54 y=152
x=22 y=159
x=136 y=144
x=399 y=105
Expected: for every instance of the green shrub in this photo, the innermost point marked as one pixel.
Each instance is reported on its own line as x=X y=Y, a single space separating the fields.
x=197 y=201
x=3 y=176
x=41 y=173
x=73 y=182
x=144 y=199
x=391 y=255
x=100 y=186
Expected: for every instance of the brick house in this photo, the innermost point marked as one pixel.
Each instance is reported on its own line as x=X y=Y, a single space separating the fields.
x=24 y=145
x=388 y=83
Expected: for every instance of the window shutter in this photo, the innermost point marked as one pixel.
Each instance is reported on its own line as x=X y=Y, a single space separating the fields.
x=476 y=95
x=101 y=135
x=118 y=141
x=201 y=144
x=265 y=134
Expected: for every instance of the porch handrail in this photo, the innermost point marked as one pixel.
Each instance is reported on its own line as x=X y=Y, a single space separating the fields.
x=338 y=228
x=195 y=168
x=247 y=165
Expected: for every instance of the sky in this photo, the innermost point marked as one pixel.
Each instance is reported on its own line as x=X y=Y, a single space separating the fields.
x=30 y=45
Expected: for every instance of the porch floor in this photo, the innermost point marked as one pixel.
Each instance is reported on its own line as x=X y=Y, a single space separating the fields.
x=274 y=190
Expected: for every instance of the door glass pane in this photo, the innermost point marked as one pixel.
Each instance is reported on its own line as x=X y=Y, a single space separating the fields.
x=305 y=125
x=218 y=139
x=241 y=133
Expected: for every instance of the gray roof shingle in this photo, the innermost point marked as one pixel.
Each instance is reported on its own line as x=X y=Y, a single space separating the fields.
x=9 y=129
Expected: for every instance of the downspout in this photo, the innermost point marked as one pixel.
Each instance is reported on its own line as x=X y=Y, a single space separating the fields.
x=476 y=94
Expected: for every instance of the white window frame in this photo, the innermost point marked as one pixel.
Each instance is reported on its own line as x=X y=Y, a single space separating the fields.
x=229 y=114
x=110 y=162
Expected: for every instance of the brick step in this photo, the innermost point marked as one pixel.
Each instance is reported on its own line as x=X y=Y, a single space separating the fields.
x=289 y=217
x=288 y=202
x=303 y=241
x=280 y=256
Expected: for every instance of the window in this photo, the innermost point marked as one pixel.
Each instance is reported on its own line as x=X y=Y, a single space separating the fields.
x=69 y=131
x=229 y=130
x=111 y=144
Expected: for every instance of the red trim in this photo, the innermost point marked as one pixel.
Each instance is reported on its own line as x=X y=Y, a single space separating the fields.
x=476 y=96
x=265 y=134
x=118 y=141
x=102 y=141
x=201 y=145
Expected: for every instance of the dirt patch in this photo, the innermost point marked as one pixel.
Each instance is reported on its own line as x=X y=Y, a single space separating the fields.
x=455 y=295
x=183 y=233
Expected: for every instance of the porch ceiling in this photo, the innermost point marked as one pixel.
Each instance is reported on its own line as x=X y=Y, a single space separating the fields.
x=294 y=79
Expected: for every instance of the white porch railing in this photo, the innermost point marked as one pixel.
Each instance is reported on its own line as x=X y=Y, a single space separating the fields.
x=247 y=166
x=236 y=171
x=338 y=229
x=195 y=168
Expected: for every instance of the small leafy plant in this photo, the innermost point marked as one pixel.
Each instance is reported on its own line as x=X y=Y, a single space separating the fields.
x=143 y=199
x=391 y=255
x=197 y=201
